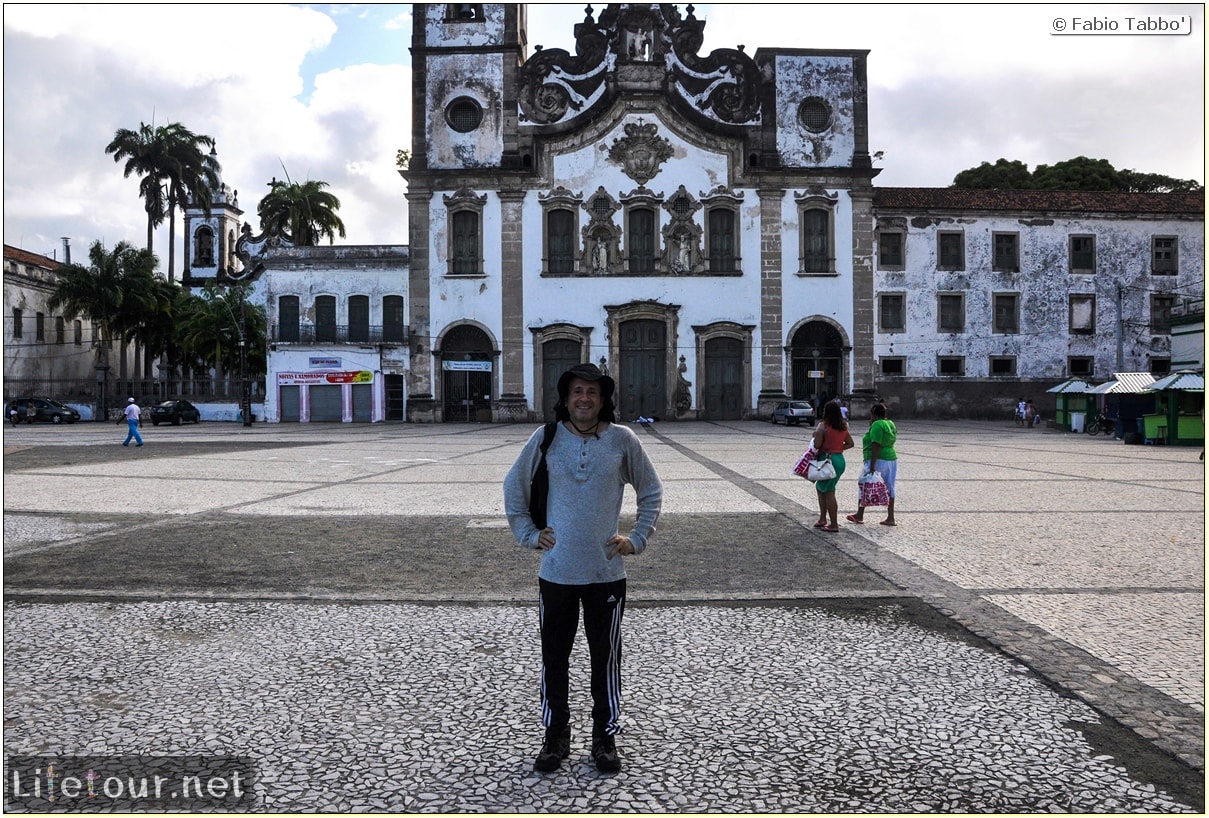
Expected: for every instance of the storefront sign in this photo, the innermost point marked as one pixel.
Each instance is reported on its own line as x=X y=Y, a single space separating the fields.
x=313 y=378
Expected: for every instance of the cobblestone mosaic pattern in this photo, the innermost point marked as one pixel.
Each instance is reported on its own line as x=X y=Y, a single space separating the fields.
x=394 y=707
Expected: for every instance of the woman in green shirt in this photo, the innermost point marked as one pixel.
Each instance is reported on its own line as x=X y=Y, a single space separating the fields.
x=879 y=454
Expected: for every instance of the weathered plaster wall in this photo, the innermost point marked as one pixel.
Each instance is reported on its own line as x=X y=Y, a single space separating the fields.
x=479 y=77
x=459 y=34
x=1044 y=284
x=830 y=79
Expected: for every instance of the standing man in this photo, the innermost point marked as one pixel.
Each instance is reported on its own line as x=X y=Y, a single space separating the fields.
x=132 y=422
x=590 y=461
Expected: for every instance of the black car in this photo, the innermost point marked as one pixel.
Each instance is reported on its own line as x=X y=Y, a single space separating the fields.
x=175 y=412
x=45 y=411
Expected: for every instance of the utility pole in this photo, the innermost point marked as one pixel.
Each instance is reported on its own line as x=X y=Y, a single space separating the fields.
x=1120 y=330
x=245 y=402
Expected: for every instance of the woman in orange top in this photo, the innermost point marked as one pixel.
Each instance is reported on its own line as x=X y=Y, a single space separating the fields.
x=831 y=437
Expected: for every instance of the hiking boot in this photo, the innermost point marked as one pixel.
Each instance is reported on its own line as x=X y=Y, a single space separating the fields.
x=555 y=748
x=604 y=754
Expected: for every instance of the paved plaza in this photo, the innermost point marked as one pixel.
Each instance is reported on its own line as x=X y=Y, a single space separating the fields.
x=344 y=607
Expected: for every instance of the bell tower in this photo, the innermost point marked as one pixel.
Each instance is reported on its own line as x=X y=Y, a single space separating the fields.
x=464 y=61
x=210 y=240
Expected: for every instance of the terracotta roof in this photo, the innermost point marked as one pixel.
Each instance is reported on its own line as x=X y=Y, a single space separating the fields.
x=1033 y=201
x=26 y=257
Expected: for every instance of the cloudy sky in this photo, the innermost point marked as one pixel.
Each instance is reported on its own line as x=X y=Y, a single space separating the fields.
x=323 y=92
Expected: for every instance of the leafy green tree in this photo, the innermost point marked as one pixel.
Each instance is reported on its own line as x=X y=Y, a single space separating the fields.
x=112 y=292
x=1003 y=175
x=157 y=331
x=1135 y=182
x=1079 y=173
x=209 y=327
x=171 y=160
x=304 y=212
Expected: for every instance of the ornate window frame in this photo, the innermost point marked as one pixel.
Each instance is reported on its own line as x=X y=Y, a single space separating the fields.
x=723 y=198
x=816 y=200
x=463 y=200
x=560 y=198
x=642 y=198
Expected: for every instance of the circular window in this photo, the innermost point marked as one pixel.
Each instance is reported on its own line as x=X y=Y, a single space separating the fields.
x=464 y=114
x=815 y=115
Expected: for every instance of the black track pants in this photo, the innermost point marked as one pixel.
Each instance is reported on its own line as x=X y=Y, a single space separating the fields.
x=558 y=612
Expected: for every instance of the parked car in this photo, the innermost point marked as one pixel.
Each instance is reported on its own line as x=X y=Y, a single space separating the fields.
x=793 y=412
x=45 y=411
x=175 y=412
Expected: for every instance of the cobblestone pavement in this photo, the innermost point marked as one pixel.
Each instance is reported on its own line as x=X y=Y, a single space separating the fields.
x=341 y=606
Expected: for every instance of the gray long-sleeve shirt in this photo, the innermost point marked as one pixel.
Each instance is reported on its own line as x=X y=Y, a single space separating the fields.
x=587 y=484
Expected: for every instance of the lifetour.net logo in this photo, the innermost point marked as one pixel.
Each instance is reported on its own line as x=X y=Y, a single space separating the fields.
x=128 y=783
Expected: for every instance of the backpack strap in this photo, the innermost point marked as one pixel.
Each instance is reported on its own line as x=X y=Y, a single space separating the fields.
x=548 y=438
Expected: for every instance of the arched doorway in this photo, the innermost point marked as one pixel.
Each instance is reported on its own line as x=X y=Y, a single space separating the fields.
x=817 y=363
x=724 y=379
x=466 y=375
x=558 y=355
x=642 y=379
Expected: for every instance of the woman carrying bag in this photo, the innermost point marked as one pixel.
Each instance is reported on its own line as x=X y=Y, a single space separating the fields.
x=880 y=457
x=832 y=438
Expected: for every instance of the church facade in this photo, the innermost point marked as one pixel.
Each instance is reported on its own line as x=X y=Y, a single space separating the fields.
x=707 y=229
x=700 y=226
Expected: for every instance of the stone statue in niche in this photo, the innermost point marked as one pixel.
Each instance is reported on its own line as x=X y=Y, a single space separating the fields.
x=639 y=45
x=682 y=261
x=600 y=255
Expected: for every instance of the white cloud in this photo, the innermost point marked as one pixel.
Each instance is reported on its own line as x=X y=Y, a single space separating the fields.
x=950 y=87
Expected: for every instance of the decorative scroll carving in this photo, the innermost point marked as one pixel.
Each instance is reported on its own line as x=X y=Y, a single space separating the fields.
x=552 y=82
x=726 y=83
x=249 y=248
x=557 y=87
x=641 y=152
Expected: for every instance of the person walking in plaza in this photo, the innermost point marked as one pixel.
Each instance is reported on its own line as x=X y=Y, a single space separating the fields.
x=589 y=461
x=832 y=438
x=132 y=413
x=877 y=447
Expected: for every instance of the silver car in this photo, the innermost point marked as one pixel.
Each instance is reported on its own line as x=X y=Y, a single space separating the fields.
x=793 y=412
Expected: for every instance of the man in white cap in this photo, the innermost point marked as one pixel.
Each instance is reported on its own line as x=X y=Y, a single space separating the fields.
x=590 y=459
x=132 y=422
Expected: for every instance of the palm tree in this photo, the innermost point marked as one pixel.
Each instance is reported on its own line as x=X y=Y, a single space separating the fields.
x=145 y=154
x=305 y=213
x=112 y=291
x=209 y=326
x=173 y=166
x=156 y=330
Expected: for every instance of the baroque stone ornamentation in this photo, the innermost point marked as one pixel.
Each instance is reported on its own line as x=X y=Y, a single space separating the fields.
x=557 y=86
x=641 y=152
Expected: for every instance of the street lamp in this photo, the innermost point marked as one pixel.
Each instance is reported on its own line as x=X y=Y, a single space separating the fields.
x=102 y=388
